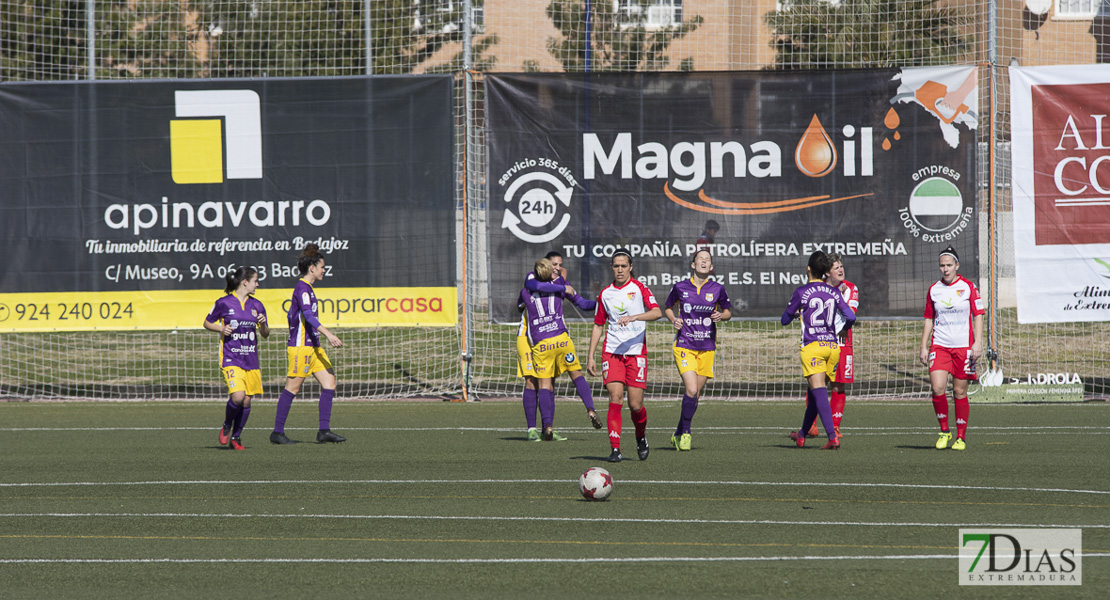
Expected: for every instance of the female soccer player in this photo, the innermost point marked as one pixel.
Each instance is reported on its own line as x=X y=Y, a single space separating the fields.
x=950 y=343
x=704 y=303
x=549 y=345
x=845 y=373
x=623 y=307
x=235 y=317
x=524 y=349
x=306 y=357
x=817 y=303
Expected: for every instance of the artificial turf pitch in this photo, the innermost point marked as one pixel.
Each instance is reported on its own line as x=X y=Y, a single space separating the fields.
x=432 y=499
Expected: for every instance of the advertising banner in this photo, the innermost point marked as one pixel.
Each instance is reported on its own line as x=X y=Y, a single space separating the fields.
x=124 y=204
x=762 y=168
x=1061 y=192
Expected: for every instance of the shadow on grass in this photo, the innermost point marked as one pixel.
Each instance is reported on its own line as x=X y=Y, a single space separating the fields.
x=933 y=448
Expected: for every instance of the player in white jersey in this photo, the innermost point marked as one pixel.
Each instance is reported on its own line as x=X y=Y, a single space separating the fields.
x=623 y=308
x=951 y=343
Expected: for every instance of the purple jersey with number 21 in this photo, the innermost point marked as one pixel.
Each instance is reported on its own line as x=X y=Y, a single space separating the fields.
x=818 y=303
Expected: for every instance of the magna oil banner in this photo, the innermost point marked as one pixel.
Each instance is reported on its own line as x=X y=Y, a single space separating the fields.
x=762 y=168
x=124 y=204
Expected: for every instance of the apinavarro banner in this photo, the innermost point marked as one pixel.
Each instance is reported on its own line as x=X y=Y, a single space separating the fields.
x=124 y=204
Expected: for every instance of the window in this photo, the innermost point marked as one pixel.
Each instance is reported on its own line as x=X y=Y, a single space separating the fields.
x=445 y=16
x=1076 y=9
x=652 y=14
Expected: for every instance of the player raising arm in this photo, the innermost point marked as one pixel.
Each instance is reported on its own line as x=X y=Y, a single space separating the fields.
x=623 y=307
x=951 y=343
x=305 y=355
x=235 y=317
x=817 y=303
x=702 y=304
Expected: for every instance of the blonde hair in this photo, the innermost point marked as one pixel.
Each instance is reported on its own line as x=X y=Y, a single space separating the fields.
x=544 y=270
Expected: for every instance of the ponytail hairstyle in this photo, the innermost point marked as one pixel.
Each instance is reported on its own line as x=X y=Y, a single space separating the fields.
x=819 y=264
x=238 y=276
x=309 y=256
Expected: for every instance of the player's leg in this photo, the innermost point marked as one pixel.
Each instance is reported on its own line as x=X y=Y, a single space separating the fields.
x=939 y=369
x=299 y=363
x=236 y=442
x=232 y=415
x=326 y=377
x=529 y=398
x=531 y=403
x=587 y=395
x=962 y=410
x=613 y=418
x=546 y=396
x=845 y=374
x=635 y=374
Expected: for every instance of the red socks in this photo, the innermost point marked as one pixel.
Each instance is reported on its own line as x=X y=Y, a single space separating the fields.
x=940 y=406
x=639 y=419
x=613 y=420
x=963 y=409
x=836 y=402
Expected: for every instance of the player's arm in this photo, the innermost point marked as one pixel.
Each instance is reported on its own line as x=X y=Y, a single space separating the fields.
x=310 y=318
x=582 y=303
x=977 y=346
x=595 y=337
x=673 y=318
x=224 y=329
x=544 y=287
x=724 y=306
x=263 y=324
x=651 y=315
x=846 y=311
x=792 y=307
x=926 y=338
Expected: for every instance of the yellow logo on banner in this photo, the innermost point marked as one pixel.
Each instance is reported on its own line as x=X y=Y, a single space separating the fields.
x=196 y=149
x=197 y=145
x=186 y=309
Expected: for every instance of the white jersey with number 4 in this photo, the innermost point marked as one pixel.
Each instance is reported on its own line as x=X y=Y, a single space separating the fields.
x=614 y=302
x=952 y=309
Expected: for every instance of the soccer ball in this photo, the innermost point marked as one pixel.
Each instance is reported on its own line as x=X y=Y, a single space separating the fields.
x=595 y=484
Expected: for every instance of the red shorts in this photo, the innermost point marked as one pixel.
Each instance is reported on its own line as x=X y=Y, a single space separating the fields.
x=956 y=361
x=621 y=368
x=845 y=371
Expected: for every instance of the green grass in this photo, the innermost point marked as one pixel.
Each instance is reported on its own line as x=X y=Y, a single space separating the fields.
x=435 y=491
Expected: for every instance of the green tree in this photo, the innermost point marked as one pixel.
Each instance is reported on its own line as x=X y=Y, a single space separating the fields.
x=42 y=40
x=620 y=40
x=824 y=34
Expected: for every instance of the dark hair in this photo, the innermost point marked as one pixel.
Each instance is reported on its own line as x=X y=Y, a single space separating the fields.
x=819 y=264
x=309 y=257
x=238 y=276
x=622 y=251
x=694 y=256
x=711 y=224
x=553 y=254
x=952 y=251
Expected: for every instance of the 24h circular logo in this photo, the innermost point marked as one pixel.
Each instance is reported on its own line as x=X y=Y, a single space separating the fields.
x=533 y=203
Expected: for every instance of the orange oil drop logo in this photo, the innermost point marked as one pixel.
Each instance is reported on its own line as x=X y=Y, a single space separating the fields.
x=815 y=155
x=892 y=121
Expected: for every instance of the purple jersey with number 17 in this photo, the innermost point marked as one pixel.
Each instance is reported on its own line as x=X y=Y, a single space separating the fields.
x=818 y=304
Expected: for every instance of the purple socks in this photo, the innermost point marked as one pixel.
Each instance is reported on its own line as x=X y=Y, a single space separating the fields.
x=241 y=421
x=326 y=397
x=817 y=403
x=689 y=407
x=547 y=406
x=285 y=402
x=584 y=392
x=231 y=412
x=530 y=407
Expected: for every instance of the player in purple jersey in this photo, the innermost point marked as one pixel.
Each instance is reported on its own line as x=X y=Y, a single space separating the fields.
x=817 y=303
x=524 y=351
x=550 y=347
x=702 y=304
x=235 y=317
x=305 y=355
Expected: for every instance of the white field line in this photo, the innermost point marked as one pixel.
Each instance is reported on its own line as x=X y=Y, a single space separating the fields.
x=441 y=561
x=945 y=487
x=55 y=515
x=899 y=430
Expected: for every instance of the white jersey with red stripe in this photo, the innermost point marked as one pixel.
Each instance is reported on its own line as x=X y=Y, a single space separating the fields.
x=952 y=309
x=851 y=296
x=614 y=302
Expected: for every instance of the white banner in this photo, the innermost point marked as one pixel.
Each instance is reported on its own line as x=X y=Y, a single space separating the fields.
x=1061 y=192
